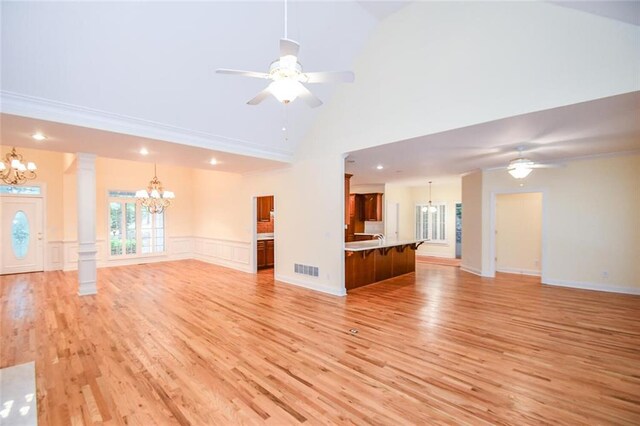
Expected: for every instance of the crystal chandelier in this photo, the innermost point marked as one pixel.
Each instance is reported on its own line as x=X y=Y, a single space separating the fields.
x=155 y=198
x=14 y=172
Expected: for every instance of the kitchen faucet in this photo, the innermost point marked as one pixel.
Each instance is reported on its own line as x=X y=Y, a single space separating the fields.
x=379 y=237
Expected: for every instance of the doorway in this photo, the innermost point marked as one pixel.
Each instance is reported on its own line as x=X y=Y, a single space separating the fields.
x=265 y=233
x=518 y=233
x=458 y=230
x=22 y=234
x=393 y=221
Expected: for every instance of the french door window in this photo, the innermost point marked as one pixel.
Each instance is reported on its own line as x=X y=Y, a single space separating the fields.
x=133 y=231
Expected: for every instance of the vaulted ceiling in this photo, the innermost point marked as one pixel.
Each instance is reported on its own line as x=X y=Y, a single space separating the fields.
x=147 y=68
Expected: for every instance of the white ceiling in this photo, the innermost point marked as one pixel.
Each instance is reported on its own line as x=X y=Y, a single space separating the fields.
x=18 y=131
x=625 y=11
x=603 y=126
x=155 y=61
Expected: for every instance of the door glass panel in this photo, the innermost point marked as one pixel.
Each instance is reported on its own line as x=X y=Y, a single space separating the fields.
x=115 y=215
x=131 y=228
x=20 y=234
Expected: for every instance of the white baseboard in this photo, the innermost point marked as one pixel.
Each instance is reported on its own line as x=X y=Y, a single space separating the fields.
x=532 y=272
x=592 y=286
x=309 y=284
x=435 y=254
x=471 y=269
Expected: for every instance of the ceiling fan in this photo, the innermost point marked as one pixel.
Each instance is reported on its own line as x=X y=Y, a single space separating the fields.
x=286 y=75
x=520 y=167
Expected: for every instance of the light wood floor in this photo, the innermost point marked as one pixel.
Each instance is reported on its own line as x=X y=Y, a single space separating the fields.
x=190 y=343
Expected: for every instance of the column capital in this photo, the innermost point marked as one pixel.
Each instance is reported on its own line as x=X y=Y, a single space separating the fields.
x=85 y=160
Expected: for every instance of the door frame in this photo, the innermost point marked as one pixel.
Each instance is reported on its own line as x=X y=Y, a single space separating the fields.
x=254 y=233
x=45 y=236
x=491 y=272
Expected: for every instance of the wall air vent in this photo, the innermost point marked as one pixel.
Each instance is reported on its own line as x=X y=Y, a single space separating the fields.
x=306 y=270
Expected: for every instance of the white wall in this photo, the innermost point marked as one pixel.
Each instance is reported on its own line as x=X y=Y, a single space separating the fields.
x=518 y=247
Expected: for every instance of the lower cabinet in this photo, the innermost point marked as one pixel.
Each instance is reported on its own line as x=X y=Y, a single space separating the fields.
x=265 y=254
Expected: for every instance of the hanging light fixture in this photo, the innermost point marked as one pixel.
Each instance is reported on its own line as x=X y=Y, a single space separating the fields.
x=520 y=167
x=14 y=172
x=155 y=198
x=430 y=207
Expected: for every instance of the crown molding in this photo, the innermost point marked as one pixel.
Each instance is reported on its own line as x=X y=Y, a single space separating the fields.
x=50 y=110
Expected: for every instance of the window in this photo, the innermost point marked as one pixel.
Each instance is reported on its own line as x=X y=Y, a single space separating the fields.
x=19 y=190
x=133 y=230
x=431 y=225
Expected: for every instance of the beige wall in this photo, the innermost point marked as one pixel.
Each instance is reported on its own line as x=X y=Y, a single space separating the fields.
x=130 y=176
x=591 y=231
x=406 y=217
x=519 y=233
x=449 y=193
x=472 y=235
x=367 y=189
x=50 y=166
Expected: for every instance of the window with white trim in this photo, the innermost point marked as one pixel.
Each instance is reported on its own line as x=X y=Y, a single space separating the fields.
x=430 y=225
x=133 y=231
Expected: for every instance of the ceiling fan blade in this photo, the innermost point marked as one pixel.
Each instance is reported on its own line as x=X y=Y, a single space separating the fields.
x=547 y=166
x=253 y=74
x=308 y=97
x=288 y=47
x=260 y=97
x=329 y=77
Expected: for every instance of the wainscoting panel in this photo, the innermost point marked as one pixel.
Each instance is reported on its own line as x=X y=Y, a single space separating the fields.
x=232 y=254
x=54 y=256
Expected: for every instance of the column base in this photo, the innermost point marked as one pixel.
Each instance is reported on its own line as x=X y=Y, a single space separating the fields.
x=87 y=269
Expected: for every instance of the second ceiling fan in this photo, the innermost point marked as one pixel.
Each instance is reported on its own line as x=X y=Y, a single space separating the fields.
x=287 y=76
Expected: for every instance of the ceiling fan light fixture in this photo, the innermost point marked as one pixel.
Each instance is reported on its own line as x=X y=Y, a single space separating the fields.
x=520 y=168
x=285 y=90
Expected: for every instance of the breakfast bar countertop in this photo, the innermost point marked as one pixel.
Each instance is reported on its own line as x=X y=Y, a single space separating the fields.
x=375 y=244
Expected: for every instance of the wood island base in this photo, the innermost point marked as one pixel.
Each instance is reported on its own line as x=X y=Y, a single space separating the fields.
x=377 y=264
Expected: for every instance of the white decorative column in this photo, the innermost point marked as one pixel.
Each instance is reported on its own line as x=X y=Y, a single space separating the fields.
x=87 y=269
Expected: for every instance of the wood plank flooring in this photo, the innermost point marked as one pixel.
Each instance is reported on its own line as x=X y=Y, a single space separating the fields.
x=191 y=343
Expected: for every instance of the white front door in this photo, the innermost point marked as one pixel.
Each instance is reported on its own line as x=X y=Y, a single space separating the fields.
x=22 y=233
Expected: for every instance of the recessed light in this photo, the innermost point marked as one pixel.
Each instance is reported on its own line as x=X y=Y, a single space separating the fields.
x=144 y=151
x=38 y=136
x=213 y=162
x=379 y=167
x=284 y=129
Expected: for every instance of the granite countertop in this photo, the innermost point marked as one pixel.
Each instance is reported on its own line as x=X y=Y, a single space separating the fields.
x=366 y=233
x=263 y=237
x=374 y=244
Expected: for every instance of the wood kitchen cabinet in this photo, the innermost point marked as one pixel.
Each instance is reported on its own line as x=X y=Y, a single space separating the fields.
x=265 y=254
x=373 y=207
x=264 y=208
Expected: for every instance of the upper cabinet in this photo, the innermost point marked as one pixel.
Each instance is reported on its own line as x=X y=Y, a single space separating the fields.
x=264 y=208
x=373 y=207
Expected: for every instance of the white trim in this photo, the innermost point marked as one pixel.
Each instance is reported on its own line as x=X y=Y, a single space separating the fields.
x=592 y=286
x=231 y=254
x=50 y=110
x=300 y=282
x=425 y=253
x=532 y=272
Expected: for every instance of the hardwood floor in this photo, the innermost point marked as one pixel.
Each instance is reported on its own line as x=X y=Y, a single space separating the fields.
x=191 y=343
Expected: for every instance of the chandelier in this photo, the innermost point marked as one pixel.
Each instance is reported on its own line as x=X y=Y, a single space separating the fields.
x=155 y=198
x=14 y=172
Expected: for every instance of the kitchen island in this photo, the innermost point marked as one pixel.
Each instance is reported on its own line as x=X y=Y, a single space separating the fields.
x=367 y=262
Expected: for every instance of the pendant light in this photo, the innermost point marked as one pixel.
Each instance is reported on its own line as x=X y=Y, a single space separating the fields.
x=430 y=207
